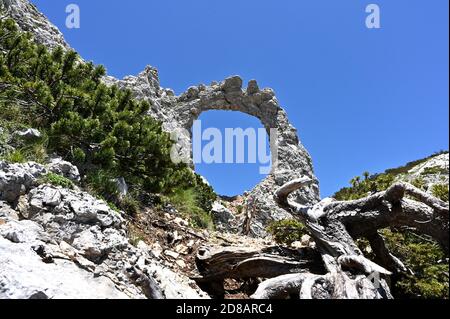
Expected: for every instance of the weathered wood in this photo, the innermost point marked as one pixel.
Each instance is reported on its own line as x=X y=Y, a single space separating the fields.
x=281 y=287
x=218 y=263
x=334 y=226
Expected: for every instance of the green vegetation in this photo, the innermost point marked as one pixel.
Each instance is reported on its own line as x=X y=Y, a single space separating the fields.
x=287 y=231
x=420 y=254
x=406 y=168
x=427 y=261
x=57 y=180
x=440 y=191
x=101 y=129
x=16 y=156
x=419 y=182
x=24 y=150
x=362 y=187
x=434 y=170
x=188 y=203
x=102 y=184
x=135 y=235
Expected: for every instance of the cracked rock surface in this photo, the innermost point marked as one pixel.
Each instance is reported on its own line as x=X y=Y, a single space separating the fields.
x=60 y=243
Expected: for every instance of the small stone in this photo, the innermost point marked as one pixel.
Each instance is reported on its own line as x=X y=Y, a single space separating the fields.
x=253 y=87
x=222 y=216
x=29 y=134
x=52 y=197
x=141 y=262
x=63 y=168
x=296 y=245
x=181 y=222
x=142 y=246
x=171 y=254
x=231 y=84
x=156 y=250
x=182 y=249
x=190 y=243
x=176 y=237
x=306 y=240
x=180 y=263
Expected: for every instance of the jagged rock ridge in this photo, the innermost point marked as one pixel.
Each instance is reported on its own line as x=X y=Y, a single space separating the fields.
x=30 y=19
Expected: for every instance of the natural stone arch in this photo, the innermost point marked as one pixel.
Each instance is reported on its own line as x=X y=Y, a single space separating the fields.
x=180 y=112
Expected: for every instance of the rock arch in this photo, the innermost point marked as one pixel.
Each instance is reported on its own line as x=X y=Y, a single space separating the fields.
x=180 y=112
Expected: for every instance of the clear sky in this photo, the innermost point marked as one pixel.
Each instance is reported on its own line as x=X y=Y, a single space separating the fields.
x=361 y=99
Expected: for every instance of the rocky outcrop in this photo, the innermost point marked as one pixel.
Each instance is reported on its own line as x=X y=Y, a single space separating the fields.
x=29 y=134
x=222 y=217
x=432 y=172
x=30 y=19
x=17 y=179
x=60 y=243
x=64 y=168
x=178 y=113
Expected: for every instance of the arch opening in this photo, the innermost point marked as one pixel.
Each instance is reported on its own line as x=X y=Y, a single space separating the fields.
x=231 y=150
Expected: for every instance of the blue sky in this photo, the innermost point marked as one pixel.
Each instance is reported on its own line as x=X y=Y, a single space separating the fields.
x=361 y=99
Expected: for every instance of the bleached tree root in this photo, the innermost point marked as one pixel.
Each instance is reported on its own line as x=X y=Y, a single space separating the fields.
x=215 y=264
x=218 y=263
x=334 y=226
x=310 y=286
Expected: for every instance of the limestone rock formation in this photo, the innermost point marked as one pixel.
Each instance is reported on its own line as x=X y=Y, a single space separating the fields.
x=64 y=168
x=60 y=243
x=64 y=243
x=222 y=216
x=433 y=171
x=178 y=113
x=30 y=19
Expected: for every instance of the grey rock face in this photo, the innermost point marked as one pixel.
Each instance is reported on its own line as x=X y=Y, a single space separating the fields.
x=7 y=212
x=222 y=216
x=72 y=245
x=178 y=114
x=63 y=168
x=24 y=275
x=433 y=171
x=29 y=134
x=31 y=20
x=17 y=179
x=122 y=186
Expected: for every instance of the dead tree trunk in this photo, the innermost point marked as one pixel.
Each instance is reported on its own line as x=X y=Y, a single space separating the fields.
x=335 y=225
